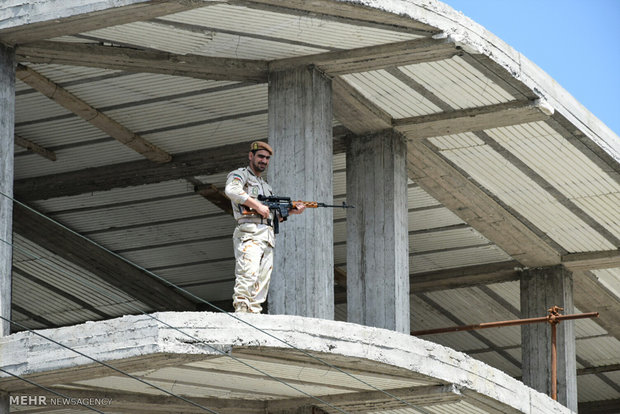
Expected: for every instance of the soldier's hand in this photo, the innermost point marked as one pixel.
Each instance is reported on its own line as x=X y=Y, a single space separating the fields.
x=299 y=208
x=263 y=210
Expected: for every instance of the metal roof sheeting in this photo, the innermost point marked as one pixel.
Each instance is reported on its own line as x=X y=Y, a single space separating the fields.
x=457 y=83
x=390 y=94
x=523 y=194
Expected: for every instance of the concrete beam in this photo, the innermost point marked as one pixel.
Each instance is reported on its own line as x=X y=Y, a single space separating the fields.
x=95 y=117
x=25 y=21
x=372 y=57
x=35 y=148
x=132 y=173
x=356 y=111
x=591 y=296
x=592 y=260
x=473 y=119
x=141 y=61
x=373 y=401
x=477 y=208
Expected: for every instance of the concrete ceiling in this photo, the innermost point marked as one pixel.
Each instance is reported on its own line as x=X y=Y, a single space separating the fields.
x=130 y=113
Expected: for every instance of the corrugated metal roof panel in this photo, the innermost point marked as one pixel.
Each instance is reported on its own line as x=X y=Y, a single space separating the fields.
x=594 y=388
x=143 y=214
x=33 y=106
x=75 y=158
x=313 y=372
x=456 y=258
x=610 y=278
x=547 y=152
x=299 y=28
x=153 y=35
x=599 y=351
x=192 y=109
x=520 y=192
x=457 y=83
x=498 y=361
x=479 y=309
x=447 y=239
x=390 y=94
x=138 y=87
x=432 y=218
x=101 y=199
x=215 y=133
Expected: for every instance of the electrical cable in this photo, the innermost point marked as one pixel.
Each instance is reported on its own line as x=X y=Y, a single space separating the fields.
x=199 y=299
x=51 y=391
x=108 y=365
x=198 y=340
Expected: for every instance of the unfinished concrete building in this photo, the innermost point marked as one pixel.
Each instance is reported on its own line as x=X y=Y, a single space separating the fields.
x=483 y=192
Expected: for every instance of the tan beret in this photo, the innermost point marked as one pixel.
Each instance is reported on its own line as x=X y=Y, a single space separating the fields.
x=260 y=145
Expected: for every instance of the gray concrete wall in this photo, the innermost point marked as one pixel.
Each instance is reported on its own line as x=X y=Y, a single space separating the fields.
x=541 y=289
x=300 y=131
x=377 y=239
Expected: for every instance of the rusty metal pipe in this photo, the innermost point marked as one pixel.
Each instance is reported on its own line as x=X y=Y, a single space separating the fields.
x=554 y=361
x=504 y=323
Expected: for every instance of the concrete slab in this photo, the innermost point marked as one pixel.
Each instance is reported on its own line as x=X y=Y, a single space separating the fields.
x=255 y=363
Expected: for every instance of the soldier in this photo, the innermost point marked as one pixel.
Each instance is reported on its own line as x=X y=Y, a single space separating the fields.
x=253 y=238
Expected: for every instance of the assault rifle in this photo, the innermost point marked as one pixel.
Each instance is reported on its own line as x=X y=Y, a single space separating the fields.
x=281 y=207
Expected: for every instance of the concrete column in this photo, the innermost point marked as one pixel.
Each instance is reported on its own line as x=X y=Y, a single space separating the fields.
x=377 y=236
x=7 y=121
x=541 y=289
x=300 y=131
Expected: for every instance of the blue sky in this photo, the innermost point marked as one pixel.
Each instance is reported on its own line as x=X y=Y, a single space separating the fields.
x=577 y=42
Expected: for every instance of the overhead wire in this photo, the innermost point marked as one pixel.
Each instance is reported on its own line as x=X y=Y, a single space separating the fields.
x=201 y=300
x=43 y=387
x=198 y=340
x=105 y=364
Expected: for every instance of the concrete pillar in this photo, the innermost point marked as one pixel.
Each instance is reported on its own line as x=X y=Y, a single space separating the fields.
x=541 y=289
x=377 y=236
x=7 y=121
x=300 y=131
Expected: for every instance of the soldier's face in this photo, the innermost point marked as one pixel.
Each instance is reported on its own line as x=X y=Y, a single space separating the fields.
x=259 y=161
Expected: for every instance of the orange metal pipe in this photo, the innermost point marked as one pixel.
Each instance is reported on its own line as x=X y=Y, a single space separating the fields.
x=554 y=361
x=499 y=324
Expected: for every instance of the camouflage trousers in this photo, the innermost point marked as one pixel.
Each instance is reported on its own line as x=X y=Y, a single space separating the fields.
x=253 y=246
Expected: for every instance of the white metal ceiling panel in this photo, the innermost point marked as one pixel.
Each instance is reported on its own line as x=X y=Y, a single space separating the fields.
x=610 y=278
x=447 y=239
x=75 y=158
x=479 y=309
x=313 y=372
x=153 y=35
x=599 y=351
x=138 y=87
x=457 y=83
x=211 y=133
x=456 y=258
x=390 y=94
x=525 y=196
x=179 y=111
x=293 y=27
x=548 y=153
x=594 y=388
x=101 y=199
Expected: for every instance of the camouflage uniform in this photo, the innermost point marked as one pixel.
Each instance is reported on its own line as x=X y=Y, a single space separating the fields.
x=253 y=241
